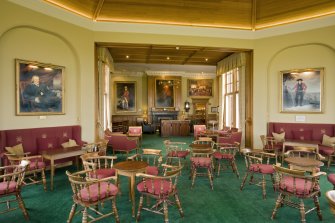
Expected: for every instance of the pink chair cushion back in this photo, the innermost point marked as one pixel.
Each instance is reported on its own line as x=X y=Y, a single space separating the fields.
x=36 y=165
x=7 y=187
x=92 y=193
x=152 y=170
x=103 y=173
x=155 y=186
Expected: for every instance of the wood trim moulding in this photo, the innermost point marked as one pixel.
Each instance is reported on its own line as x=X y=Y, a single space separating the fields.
x=181 y=73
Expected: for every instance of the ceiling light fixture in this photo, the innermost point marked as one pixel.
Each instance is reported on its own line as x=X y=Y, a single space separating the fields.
x=127 y=57
x=206 y=59
x=177 y=48
x=168 y=58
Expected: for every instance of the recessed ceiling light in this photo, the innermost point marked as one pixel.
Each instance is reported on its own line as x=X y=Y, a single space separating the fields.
x=127 y=57
x=177 y=48
x=168 y=58
x=206 y=59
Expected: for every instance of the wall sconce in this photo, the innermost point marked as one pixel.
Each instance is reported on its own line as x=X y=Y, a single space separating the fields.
x=187 y=106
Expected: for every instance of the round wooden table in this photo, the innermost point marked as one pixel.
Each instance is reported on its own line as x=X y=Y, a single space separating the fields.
x=129 y=169
x=303 y=163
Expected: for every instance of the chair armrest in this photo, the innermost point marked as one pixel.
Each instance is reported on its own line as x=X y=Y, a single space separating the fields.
x=320 y=173
x=133 y=157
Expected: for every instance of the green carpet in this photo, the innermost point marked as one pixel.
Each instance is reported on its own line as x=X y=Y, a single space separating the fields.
x=200 y=204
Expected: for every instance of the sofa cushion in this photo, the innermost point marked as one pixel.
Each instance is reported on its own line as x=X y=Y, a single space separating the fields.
x=16 y=150
x=302 y=135
x=47 y=143
x=327 y=140
x=70 y=143
x=279 y=137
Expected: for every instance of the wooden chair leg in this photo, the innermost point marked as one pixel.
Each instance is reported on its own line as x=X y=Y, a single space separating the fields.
x=244 y=180
x=116 y=214
x=302 y=211
x=317 y=205
x=139 y=208
x=44 y=181
x=72 y=212
x=210 y=176
x=85 y=215
x=166 y=212
x=22 y=206
x=179 y=205
x=277 y=206
x=263 y=186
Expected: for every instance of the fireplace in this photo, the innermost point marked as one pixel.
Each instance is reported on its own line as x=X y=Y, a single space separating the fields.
x=157 y=116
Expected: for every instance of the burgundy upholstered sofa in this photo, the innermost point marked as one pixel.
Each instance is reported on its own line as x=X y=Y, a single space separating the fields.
x=35 y=140
x=306 y=132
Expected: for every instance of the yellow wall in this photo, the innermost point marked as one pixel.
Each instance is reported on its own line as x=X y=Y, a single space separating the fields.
x=29 y=35
x=309 y=49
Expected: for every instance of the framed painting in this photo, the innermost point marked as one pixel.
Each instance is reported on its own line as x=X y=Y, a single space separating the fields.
x=125 y=96
x=301 y=90
x=200 y=87
x=39 y=88
x=164 y=93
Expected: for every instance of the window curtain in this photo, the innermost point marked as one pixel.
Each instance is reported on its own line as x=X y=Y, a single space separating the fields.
x=105 y=68
x=236 y=60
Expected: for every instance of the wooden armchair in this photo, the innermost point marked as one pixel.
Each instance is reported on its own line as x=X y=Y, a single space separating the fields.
x=161 y=188
x=90 y=195
x=11 y=179
x=258 y=164
x=175 y=151
x=225 y=155
x=201 y=159
x=35 y=171
x=294 y=186
x=99 y=167
x=153 y=157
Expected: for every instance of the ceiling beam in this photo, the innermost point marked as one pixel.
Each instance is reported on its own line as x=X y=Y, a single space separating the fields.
x=253 y=15
x=97 y=10
x=149 y=54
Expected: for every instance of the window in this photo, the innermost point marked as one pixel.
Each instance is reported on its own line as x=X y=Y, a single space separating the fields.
x=231 y=97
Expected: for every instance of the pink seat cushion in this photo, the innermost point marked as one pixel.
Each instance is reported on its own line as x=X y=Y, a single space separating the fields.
x=103 y=173
x=302 y=187
x=155 y=186
x=262 y=168
x=91 y=194
x=331 y=178
x=326 y=150
x=36 y=165
x=4 y=186
x=180 y=154
x=152 y=170
x=217 y=155
x=201 y=161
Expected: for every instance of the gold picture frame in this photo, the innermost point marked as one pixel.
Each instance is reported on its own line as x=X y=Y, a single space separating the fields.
x=200 y=88
x=301 y=90
x=125 y=96
x=39 y=88
x=165 y=93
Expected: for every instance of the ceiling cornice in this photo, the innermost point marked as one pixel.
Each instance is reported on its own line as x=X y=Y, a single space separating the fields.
x=49 y=10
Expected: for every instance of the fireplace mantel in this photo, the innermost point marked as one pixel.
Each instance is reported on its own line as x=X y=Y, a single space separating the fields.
x=157 y=116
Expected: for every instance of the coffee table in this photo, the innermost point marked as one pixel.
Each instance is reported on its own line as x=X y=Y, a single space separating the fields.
x=61 y=153
x=129 y=169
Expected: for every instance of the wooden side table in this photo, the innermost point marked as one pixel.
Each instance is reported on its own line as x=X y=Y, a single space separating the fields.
x=129 y=169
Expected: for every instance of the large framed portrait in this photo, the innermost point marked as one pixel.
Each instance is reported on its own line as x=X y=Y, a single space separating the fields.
x=125 y=96
x=301 y=91
x=39 y=88
x=200 y=87
x=164 y=93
